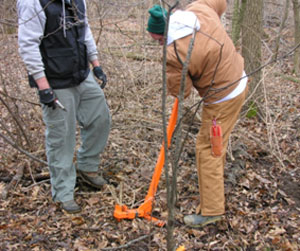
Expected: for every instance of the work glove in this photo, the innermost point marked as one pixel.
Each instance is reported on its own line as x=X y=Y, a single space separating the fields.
x=47 y=97
x=100 y=75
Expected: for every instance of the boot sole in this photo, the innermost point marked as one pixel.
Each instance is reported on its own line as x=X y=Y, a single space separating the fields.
x=72 y=212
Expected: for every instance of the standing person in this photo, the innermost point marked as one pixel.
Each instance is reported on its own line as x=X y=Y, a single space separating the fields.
x=56 y=45
x=214 y=70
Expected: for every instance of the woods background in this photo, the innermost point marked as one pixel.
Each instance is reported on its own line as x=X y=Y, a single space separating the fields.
x=262 y=173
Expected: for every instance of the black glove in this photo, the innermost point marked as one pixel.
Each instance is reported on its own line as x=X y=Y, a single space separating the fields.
x=47 y=97
x=100 y=75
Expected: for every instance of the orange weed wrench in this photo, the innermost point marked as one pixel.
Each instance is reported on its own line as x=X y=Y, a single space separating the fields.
x=145 y=209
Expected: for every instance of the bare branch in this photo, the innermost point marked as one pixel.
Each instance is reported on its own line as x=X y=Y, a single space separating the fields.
x=13 y=144
x=16 y=179
x=127 y=245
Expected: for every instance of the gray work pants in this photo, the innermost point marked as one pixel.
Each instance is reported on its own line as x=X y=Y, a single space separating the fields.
x=86 y=104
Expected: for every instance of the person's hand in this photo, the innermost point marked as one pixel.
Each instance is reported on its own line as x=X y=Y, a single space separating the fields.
x=47 y=97
x=100 y=75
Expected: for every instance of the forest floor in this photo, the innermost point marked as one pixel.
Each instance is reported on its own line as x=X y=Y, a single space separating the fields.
x=261 y=176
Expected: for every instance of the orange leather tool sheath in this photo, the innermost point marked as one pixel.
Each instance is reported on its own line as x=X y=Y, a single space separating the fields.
x=216 y=139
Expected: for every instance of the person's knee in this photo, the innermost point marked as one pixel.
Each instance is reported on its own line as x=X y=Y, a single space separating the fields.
x=56 y=133
x=104 y=121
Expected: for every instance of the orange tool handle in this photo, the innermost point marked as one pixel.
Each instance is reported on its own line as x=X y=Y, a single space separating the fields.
x=145 y=209
x=161 y=158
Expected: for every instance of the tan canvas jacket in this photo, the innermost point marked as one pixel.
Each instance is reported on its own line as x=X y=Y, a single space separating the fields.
x=214 y=61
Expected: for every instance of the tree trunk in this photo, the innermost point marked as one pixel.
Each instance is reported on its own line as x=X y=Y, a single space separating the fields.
x=284 y=18
x=251 y=39
x=297 y=37
x=235 y=24
x=171 y=187
x=237 y=20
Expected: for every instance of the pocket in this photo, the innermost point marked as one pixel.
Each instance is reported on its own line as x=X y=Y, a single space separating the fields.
x=55 y=133
x=83 y=63
x=216 y=140
x=60 y=62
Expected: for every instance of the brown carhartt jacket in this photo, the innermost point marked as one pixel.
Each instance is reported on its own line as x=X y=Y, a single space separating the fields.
x=214 y=61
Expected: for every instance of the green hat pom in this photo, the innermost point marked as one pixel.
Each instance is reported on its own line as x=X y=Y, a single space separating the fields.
x=157 y=19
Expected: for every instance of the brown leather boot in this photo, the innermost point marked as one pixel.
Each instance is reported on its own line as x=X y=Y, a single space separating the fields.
x=70 y=207
x=197 y=220
x=93 y=179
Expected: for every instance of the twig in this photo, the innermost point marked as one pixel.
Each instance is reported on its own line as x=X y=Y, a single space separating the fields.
x=131 y=55
x=133 y=197
x=40 y=176
x=9 y=23
x=113 y=193
x=264 y=147
x=127 y=245
x=256 y=70
x=181 y=97
x=16 y=179
x=13 y=144
x=19 y=99
x=121 y=193
x=16 y=119
x=36 y=184
x=30 y=171
x=5 y=128
x=288 y=77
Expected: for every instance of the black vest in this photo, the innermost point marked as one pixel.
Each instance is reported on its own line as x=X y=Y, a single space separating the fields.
x=63 y=52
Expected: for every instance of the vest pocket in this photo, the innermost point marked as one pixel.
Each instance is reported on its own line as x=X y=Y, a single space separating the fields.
x=60 y=62
x=83 y=64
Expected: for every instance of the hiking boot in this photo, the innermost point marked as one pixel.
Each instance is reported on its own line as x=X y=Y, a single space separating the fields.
x=70 y=207
x=93 y=179
x=197 y=220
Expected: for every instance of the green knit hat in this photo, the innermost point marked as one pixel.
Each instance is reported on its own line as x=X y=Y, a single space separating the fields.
x=157 y=19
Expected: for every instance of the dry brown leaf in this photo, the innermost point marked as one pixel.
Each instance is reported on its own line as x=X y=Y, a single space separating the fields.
x=93 y=200
x=277 y=231
x=80 y=245
x=78 y=220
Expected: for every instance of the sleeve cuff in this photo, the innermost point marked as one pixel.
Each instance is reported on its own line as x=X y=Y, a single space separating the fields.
x=93 y=57
x=38 y=75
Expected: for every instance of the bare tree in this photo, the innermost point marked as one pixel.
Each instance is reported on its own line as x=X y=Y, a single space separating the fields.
x=283 y=21
x=171 y=185
x=296 y=8
x=7 y=17
x=237 y=19
x=252 y=38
